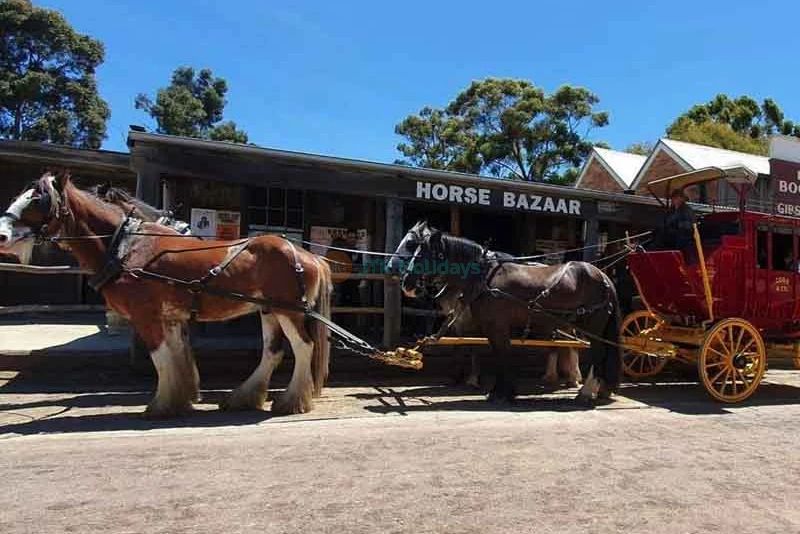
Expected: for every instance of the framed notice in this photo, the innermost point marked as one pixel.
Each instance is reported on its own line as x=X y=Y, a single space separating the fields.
x=228 y=224
x=216 y=224
x=204 y=222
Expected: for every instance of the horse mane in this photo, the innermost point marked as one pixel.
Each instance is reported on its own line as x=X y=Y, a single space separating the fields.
x=120 y=197
x=462 y=249
x=65 y=194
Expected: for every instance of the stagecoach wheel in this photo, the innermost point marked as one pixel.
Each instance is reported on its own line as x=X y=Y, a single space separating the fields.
x=732 y=360
x=635 y=364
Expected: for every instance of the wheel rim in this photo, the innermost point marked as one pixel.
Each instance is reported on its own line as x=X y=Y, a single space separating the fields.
x=732 y=360
x=635 y=364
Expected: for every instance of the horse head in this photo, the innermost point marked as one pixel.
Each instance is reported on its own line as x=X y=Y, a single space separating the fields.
x=36 y=212
x=421 y=244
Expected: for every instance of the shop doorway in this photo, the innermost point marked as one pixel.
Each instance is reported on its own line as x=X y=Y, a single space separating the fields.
x=437 y=215
x=493 y=230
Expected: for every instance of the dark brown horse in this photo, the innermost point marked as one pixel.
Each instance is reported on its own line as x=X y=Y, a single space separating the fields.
x=266 y=267
x=561 y=363
x=139 y=208
x=508 y=298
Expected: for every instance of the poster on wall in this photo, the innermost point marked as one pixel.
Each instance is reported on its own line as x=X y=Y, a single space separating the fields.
x=216 y=224
x=228 y=224
x=204 y=222
x=338 y=237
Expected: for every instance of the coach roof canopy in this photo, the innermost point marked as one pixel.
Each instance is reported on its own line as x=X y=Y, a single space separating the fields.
x=739 y=176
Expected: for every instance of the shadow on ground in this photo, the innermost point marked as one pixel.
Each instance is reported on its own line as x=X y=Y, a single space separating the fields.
x=105 y=422
x=109 y=383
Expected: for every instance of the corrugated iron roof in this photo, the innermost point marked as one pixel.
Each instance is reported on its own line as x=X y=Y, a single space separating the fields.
x=700 y=156
x=625 y=165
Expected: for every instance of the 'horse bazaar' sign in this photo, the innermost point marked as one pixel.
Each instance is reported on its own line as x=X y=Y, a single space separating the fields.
x=478 y=196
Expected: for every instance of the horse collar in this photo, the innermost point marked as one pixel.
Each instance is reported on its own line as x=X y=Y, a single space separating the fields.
x=114 y=263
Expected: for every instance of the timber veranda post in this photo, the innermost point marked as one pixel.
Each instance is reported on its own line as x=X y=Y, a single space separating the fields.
x=392 y=297
x=591 y=239
x=149 y=189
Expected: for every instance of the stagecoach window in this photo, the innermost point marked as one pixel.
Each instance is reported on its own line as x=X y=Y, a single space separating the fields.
x=761 y=249
x=782 y=252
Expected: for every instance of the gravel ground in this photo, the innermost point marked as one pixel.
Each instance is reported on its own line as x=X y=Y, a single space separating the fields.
x=402 y=459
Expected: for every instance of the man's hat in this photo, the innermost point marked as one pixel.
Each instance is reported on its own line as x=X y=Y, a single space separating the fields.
x=678 y=193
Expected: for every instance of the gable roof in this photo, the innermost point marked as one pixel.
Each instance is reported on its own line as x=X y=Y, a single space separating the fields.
x=622 y=166
x=693 y=157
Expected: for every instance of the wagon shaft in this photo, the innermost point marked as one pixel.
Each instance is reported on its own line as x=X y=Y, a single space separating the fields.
x=482 y=341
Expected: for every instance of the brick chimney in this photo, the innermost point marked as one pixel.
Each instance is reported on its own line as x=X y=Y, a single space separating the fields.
x=784 y=170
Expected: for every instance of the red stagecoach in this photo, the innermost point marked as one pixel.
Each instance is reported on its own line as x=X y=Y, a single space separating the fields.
x=722 y=301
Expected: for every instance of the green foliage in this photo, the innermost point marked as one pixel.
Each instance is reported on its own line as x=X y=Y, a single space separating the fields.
x=48 y=90
x=642 y=148
x=437 y=140
x=718 y=135
x=505 y=127
x=192 y=106
x=734 y=123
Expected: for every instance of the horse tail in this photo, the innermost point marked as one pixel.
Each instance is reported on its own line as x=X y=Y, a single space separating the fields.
x=320 y=358
x=613 y=350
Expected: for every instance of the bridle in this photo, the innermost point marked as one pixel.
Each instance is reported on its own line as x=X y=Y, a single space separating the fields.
x=44 y=204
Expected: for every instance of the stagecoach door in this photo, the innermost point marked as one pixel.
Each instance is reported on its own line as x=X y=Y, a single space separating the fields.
x=780 y=275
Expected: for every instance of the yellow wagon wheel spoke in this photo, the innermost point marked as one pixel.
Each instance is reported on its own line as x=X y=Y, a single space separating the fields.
x=732 y=360
x=714 y=380
x=720 y=355
x=744 y=378
x=639 y=365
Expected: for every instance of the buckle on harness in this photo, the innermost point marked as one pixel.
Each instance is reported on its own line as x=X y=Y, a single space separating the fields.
x=196 y=286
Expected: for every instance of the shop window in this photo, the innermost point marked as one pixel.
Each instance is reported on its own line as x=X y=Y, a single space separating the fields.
x=782 y=252
x=275 y=208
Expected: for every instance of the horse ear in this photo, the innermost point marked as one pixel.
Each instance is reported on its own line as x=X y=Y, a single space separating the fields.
x=61 y=176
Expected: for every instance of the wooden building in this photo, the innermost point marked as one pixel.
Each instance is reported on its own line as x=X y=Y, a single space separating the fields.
x=614 y=171
x=223 y=187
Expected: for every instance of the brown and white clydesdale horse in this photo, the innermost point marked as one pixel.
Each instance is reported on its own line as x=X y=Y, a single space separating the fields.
x=265 y=267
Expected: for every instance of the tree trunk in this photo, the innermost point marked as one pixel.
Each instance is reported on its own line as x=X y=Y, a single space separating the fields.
x=18 y=122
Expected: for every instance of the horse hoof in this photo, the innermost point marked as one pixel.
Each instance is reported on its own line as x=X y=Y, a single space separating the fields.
x=238 y=404
x=585 y=401
x=571 y=384
x=474 y=381
x=155 y=414
x=500 y=401
x=549 y=379
x=284 y=406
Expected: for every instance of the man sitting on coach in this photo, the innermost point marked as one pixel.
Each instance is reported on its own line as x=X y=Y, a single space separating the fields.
x=680 y=219
x=678 y=223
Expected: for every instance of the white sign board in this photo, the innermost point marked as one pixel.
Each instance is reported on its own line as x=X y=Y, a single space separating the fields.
x=340 y=237
x=204 y=222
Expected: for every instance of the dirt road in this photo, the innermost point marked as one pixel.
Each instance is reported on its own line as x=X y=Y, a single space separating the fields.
x=419 y=459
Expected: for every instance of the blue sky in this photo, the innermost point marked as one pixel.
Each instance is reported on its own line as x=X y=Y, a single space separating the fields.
x=335 y=77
